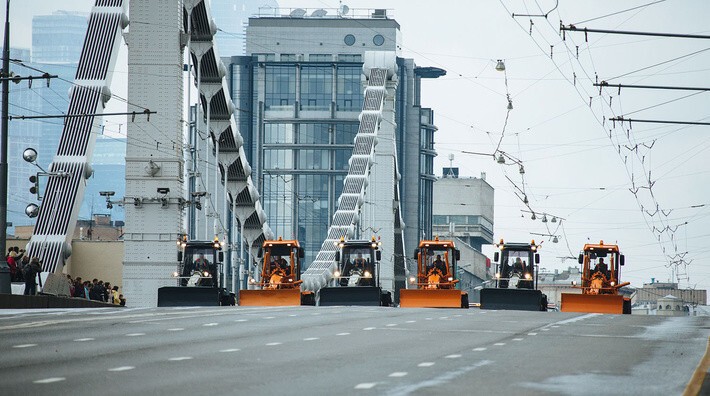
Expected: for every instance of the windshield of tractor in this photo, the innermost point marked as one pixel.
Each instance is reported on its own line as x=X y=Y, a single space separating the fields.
x=516 y=261
x=437 y=260
x=358 y=258
x=198 y=259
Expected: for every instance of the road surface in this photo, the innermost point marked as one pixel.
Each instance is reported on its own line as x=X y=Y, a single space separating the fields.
x=345 y=350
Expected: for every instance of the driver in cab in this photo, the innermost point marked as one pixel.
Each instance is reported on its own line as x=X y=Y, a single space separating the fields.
x=201 y=263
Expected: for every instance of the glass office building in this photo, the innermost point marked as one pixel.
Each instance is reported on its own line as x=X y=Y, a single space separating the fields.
x=299 y=93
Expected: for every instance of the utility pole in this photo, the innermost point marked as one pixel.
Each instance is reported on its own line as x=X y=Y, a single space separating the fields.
x=5 y=279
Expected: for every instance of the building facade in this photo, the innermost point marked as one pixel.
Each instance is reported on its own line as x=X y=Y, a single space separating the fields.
x=299 y=93
x=463 y=208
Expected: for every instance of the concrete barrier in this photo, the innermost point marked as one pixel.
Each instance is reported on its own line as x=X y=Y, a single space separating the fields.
x=12 y=301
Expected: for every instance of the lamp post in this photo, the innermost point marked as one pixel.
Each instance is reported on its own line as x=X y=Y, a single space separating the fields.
x=5 y=279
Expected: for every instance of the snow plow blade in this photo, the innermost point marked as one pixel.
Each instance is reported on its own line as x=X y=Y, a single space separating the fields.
x=361 y=295
x=270 y=298
x=433 y=298
x=516 y=299
x=595 y=303
x=181 y=296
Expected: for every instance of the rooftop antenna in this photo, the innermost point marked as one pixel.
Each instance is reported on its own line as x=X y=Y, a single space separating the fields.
x=343 y=9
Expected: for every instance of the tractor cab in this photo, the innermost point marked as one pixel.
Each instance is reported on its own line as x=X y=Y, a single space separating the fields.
x=516 y=261
x=356 y=263
x=200 y=263
x=600 y=268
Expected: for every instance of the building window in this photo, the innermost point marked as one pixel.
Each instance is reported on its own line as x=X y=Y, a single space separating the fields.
x=288 y=58
x=345 y=133
x=349 y=39
x=378 y=40
x=349 y=94
x=316 y=87
x=280 y=89
x=313 y=213
x=278 y=203
x=314 y=134
x=341 y=159
x=320 y=57
x=313 y=159
x=350 y=58
x=278 y=133
x=278 y=159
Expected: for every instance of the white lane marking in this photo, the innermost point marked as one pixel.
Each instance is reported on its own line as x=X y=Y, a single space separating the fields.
x=293 y=315
x=545 y=329
x=425 y=364
x=49 y=380
x=517 y=339
x=443 y=317
x=230 y=350
x=578 y=318
x=454 y=356
x=411 y=321
x=479 y=349
x=176 y=329
x=457 y=316
x=554 y=326
x=241 y=320
x=210 y=324
x=398 y=374
x=179 y=358
x=83 y=339
x=531 y=334
x=391 y=324
x=369 y=328
x=365 y=385
x=499 y=343
x=310 y=339
x=25 y=346
x=122 y=368
x=269 y=317
x=135 y=334
x=343 y=334
x=428 y=319
x=315 y=313
x=437 y=382
x=273 y=343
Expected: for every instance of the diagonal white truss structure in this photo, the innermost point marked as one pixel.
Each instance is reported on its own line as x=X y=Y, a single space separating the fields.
x=370 y=200
x=59 y=211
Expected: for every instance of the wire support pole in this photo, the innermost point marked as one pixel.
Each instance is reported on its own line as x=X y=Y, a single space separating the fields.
x=134 y=114
x=5 y=277
x=572 y=28
x=630 y=120
x=606 y=84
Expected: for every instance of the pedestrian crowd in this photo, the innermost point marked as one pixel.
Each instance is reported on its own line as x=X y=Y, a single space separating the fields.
x=95 y=290
x=26 y=269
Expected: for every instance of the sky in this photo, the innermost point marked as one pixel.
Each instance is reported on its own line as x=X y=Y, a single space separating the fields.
x=579 y=166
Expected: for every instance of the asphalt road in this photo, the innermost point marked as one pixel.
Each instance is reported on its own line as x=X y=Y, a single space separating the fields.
x=345 y=350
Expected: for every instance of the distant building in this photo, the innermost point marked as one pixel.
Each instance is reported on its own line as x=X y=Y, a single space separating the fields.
x=232 y=17
x=463 y=208
x=57 y=41
x=109 y=165
x=298 y=94
x=553 y=284
x=651 y=292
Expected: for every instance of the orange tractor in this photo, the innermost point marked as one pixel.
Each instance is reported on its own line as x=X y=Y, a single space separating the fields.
x=435 y=283
x=600 y=284
x=280 y=281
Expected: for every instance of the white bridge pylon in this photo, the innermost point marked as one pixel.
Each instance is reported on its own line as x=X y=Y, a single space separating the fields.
x=369 y=204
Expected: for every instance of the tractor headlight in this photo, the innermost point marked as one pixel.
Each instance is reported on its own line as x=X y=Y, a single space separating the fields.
x=527 y=276
x=451 y=279
x=290 y=279
x=497 y=274
x=206 y=273
x=367 y=274
x=574 y=283
x=336 y=274
x=613 y=283
x=252 y=281
x=412 y=280
x=175 y=274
